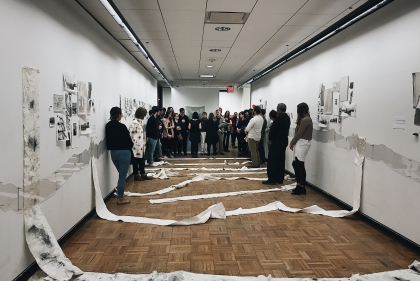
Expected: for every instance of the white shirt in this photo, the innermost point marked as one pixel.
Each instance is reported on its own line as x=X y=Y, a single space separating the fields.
x=254 y=127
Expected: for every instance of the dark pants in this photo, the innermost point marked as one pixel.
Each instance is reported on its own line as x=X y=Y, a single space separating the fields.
x=184 y=141
x=276 y=161
x=194 y=147
x=300 y=172
x=177 y=145
x=242 y=144
x=226 y=136
x=234 y=135
x=138 y=165
x=214 y=144
x=167 y=146
x=261 y=150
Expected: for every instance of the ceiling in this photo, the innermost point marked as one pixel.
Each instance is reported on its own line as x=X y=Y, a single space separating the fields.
x=177 y=37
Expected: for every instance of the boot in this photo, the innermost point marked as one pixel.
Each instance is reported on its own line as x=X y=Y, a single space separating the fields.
x=138 y=178
x=299 y=190
x=145 y=177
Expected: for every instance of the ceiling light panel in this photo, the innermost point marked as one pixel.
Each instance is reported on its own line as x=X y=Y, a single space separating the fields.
x=211 y=34
x=182 y=5
x=231 y=5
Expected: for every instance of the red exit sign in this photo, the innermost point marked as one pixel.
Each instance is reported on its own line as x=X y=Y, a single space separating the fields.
x=230 y=89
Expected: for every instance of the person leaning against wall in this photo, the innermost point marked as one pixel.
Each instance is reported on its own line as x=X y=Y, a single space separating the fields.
x=300 y=145
x=253 y=131
x=118 y=141
x=278 y=138
x=138 y=138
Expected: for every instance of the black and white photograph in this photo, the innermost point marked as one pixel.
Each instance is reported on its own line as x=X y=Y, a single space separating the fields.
x=69 y=82
x=82 y=99
x=59 y=104
x=61 y=128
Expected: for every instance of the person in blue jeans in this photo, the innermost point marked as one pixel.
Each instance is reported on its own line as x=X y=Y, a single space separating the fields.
x=152 y=135
x=119 y=142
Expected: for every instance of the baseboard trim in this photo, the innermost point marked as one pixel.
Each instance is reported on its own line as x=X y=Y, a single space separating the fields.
x=409 y=244
x=33 y=267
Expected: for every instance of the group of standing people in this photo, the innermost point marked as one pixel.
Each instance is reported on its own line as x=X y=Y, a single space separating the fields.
x=166 y=134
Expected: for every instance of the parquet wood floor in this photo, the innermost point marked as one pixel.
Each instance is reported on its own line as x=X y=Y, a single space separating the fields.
x=277 y=243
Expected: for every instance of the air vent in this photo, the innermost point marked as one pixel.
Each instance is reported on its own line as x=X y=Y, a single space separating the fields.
x=226 y=17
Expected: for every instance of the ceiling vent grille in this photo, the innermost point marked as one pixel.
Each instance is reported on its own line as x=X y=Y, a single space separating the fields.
x=226 y=17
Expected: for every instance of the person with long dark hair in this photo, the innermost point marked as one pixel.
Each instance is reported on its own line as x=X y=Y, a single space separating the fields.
x=300 y=144
x=226 y=132
x=185 y=121
x=138 y=137
x=212 y=136
x=168 y=134
x=119 y=142
x=240 y=132
x=194 y=128
x=177 y=135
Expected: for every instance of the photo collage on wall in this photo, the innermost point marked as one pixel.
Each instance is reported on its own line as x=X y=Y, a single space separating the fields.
x=129 y=106
x=336 y=103
x=71 y=109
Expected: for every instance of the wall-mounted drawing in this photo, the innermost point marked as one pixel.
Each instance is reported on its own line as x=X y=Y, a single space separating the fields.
x=89 y=98
x=336 y=86
x=85 y=128
x=344 y=88
x=61 y=128
x=348 y=110
x=74 y=134
x=52 y=122
x=59 y=104
x=82 y=99
x=336 y=104
x=328 y=102
x=69 y=82
x=416 y=89
x=67 y=114
x=323 y=121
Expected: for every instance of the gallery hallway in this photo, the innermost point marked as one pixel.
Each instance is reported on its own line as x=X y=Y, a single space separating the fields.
x=277 y=243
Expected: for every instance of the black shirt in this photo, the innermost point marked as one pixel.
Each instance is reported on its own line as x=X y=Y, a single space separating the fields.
x=242 y=125
x=279 y=130
x=152 y=128
x=203 y=124
x=184 y=125
x=117 y=136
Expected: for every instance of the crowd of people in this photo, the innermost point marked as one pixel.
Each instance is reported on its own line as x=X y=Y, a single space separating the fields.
x=166 y=134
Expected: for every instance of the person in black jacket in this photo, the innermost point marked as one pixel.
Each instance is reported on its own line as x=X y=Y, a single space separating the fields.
x=212 y=136
x=261 y=150
x=279 y=138
x=119 y=142
x=184 y=129
x=240 y=130
x=152 y=135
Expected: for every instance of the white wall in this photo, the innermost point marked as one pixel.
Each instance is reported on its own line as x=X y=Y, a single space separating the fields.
x=181 y=97
x=56 y=36
x=166 y=95
x=379 y=54
x=231 y=101
x=246 y=97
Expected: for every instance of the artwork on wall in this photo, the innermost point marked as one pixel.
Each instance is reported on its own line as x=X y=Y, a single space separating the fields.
x=129 y=106
x=82 y=99
x=85 y=128
x=416 y=97
x=344 y=88
x=61 y=128
x=74 y=134
x=59 y=104
x=336 y=86
x=89 y=98
x=336 y=104
x=52 y=122
x=74 y=104
x=69 y=83
x=67 y=114
x=189 y=110
x=328 y=102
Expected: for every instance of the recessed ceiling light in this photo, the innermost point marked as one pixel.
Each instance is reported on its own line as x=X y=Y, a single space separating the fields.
x=222 y=28
x=215 y=50
x=206 y=75
x=210 y=66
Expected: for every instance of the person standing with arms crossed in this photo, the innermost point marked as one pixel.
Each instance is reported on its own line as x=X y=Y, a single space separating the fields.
x=254 y=135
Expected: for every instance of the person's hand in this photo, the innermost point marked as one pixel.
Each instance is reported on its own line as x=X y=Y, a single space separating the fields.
x=220 y=131
x=183 y=120
x=160 y=127
x=291 y=146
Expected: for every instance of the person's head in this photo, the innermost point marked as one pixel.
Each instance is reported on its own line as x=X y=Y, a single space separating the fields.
x=281 y=108
x=204 y=115
x=164 y=110
x=220 y=109
x=227 y=114
x=272 y=114
x=150 y=112
x=246 y=113
x=140 y=113
x=195 y=115
x=263 y=111
x=182 y=111
x=176 y=116
x=257 y=110
x=241 y=115
x=235 y=114
x=218 y=113
x=115 y=113
x=302 y=110
x=155 y=110
x=170 y=108
x=168 y=114
x=211 y=115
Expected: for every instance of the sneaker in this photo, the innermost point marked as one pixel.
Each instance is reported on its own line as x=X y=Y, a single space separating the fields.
x=154 y=164
x=146 y=164
x=122 y=200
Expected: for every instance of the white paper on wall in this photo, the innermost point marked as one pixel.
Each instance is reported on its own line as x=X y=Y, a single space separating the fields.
x=399 y=122
x=69 y=82
x=67 y=115
x=59 y=104
x=89 y=98
x=336 y=86
x=328 y=102
x=82 y=98
x=416 y=89
x=74 y=133
x=344 y=88
x=336 y=104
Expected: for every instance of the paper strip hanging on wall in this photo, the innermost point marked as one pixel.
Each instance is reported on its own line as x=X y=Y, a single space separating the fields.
x=58 y=103
x=336 y=104
x=82 y=98
x=344 y=88
x=416 y=89
x=328 y=102
x=69 y=82
x=39 y=236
